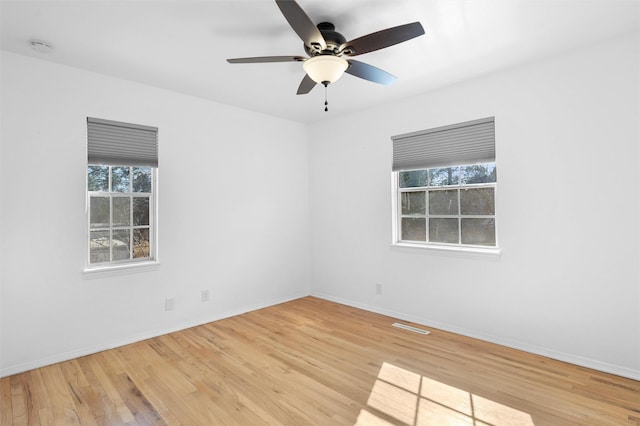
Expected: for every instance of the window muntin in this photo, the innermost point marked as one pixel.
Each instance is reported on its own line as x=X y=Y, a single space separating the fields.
x=121 y=212
x=450 y=206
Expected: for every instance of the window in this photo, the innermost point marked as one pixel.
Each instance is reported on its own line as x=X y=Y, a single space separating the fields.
x=449 y=205
x=445 y=186
x=121 y=188
x=120 y=213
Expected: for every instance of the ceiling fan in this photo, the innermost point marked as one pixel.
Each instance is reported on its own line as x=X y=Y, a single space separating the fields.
x=328 y=49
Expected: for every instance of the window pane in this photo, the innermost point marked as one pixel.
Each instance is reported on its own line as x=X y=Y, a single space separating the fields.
x=121 y=211
x=413 y=179
x=413 y=203
x=120 y=244
x=443 y=176
x=120 y=179
x=414 y=229
x=443 y=230
x=141 y=243
x=140 y=211
x=477 y=201
x=142 y=179
x=99 y=246
x=478 y=173
x=99 y=213
x=479 y=232
x=443 y=202
x=98 y=178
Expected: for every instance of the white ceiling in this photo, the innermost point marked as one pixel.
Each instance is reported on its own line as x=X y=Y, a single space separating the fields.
x=182 y=45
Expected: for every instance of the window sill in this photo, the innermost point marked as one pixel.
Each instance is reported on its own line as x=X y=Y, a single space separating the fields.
x=115 y=270
x=447 y=250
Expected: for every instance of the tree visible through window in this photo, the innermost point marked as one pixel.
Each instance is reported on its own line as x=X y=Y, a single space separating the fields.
x=120 y=213
x=448 y=206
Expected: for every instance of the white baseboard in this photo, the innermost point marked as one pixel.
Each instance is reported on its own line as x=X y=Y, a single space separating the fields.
x=549 y=353
x=560 y=356
x=103 y=346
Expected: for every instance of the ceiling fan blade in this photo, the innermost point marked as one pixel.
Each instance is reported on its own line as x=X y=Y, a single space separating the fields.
x=306 y=85
x=302 y=24
x=369 y=72
x=382 y=39
x=261 y=59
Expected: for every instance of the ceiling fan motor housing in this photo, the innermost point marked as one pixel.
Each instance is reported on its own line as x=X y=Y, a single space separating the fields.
x=332 y=38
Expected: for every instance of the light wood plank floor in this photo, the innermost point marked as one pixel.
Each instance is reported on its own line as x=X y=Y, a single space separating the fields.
x=313 y=362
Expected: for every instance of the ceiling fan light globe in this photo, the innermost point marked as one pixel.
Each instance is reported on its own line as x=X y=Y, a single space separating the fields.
x=325 y=68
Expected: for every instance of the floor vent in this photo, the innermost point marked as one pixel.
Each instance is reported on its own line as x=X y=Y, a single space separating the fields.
x=408 y=327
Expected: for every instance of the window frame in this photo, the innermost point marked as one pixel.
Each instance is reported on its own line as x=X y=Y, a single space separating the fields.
x=118 y=266
x=397 y=216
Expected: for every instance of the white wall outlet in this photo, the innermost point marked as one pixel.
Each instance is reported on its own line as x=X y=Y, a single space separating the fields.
x=168 y=304
x=205 y=296
x=378 y=288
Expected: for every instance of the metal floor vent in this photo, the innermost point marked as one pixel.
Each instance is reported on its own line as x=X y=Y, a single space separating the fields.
x=410 y=328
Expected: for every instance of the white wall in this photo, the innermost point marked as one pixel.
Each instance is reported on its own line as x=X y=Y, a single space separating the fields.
x=567 y=284
x=233 y=214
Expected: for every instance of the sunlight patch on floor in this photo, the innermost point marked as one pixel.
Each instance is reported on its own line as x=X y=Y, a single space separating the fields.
x=394 y=401
x=402 y=395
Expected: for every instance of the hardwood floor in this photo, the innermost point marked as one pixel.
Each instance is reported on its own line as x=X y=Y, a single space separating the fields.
x=313 y=362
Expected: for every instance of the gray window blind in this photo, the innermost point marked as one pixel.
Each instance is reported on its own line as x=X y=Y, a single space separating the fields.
x=464 y=143
x=121 y=144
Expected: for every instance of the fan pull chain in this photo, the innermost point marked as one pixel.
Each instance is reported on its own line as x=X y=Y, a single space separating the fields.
x=326 y=108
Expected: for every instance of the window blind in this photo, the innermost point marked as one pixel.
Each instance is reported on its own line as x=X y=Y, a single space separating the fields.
x=121 y=144
x=463 y=143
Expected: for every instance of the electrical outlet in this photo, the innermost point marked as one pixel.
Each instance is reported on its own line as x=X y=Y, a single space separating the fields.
x=205 y=295
x=168 y=304
x=378 y=288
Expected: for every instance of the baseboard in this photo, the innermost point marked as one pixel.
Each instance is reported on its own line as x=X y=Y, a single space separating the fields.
x=549 y=353
x=560 y=356
x=103 y=346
